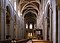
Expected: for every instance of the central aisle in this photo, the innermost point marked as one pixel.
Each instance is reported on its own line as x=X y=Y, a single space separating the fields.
x=30 y=41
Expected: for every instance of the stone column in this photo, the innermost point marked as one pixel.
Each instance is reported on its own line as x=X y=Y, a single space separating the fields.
x=45 y=29
x=12 y=26
x=0 y=19
x=50 y=31
x=3 y=15
x=59 y=26
x=43 y=22
x=54 y=21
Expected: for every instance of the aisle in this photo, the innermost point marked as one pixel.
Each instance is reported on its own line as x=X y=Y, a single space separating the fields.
x=30 y=41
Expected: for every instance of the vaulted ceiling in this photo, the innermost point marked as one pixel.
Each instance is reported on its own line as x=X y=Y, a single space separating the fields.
x=30 y=9
x=29 y=5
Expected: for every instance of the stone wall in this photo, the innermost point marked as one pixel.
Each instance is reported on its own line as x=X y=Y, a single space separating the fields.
x=20 y=27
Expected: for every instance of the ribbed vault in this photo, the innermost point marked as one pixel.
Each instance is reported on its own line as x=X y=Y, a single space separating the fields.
x=29 y=9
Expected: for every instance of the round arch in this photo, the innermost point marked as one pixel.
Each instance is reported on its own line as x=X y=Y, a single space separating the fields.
x=10 y=8
x=31 y=7
x=27 y=4
x=30 y=11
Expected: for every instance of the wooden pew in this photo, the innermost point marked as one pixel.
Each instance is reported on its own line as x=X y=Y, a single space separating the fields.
x=41 y=41
x=5 y=41
x=22 y=41
x=17 y=41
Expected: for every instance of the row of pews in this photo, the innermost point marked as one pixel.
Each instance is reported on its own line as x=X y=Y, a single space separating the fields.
x=15 y=41
x=40 y=41
x=25 y=41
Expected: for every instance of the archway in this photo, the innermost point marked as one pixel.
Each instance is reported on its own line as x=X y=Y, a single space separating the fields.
x=48 y=21
x=7 y=21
